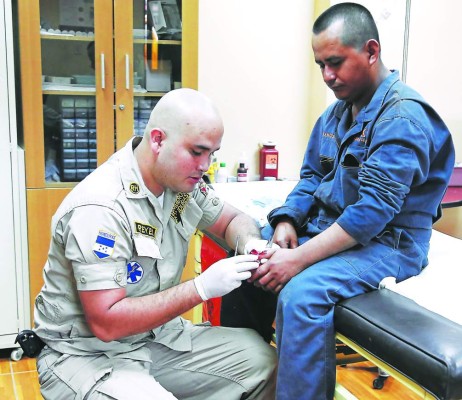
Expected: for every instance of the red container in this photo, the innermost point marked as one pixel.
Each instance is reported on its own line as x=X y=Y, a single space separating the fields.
x=269 y=160
x=456 y=177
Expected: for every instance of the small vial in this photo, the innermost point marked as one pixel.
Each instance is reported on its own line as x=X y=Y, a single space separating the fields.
x=242 y=173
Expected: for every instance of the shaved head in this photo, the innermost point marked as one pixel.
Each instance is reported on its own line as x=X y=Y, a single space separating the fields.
x=184 y=111
x=183 y=132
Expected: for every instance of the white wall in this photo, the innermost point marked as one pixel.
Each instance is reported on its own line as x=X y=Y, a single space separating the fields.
x=434 y=60
x=254 y=61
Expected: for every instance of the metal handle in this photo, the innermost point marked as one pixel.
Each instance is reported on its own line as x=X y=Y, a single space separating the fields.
x=127 y=72
x=103 y=74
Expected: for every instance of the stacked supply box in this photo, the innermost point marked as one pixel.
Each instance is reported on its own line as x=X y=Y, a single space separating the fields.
x=78 y=124
x=142 y=110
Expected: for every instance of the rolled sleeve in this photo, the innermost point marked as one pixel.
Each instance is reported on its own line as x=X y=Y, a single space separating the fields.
x=386 y=179
x=111 y=275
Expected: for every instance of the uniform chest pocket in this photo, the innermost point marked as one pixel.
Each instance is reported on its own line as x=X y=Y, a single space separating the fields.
x=142 y=275
x=187 y=222
x=147 y=247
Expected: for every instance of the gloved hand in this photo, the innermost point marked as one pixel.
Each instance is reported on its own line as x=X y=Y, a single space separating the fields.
x=256 y=246
x=225 y=275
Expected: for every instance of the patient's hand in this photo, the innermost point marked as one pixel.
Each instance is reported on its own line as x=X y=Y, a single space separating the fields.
x=276 y=270
x=285 y=235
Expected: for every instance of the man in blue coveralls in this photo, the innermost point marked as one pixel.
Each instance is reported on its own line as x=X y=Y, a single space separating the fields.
x=374 y=173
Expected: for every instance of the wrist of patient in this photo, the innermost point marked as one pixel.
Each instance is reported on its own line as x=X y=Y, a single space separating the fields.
x=283 y=219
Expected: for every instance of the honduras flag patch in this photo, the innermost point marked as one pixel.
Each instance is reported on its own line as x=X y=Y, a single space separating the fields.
x=104 y=245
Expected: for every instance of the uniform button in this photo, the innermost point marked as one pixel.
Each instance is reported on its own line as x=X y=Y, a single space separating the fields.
x=215 y=202
x=83 y=279
x=40 y=300
x=119 y=277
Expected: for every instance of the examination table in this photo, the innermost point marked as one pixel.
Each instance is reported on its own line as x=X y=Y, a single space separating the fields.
x=411 y=330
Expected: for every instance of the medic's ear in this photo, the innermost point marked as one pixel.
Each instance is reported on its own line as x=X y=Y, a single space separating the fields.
x=157 y=136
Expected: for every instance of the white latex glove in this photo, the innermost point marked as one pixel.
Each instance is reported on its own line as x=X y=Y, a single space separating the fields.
x=224 y=275
x=258 y=245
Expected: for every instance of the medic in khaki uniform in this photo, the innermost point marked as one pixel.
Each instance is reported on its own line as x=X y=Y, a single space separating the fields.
x=109 y=308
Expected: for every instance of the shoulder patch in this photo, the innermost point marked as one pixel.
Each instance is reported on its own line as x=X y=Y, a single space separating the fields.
x=135 y=272
x=145 y=229
x=104 y=244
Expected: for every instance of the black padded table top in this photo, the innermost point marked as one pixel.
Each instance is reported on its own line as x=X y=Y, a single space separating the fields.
x=420 y=344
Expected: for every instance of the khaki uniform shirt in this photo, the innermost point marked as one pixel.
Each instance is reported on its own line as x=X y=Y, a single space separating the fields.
x=111 y=232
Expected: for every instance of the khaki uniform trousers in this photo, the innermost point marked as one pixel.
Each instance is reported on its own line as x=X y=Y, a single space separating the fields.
x=224 y=364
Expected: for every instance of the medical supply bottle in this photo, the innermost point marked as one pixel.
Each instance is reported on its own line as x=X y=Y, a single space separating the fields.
x=213 y=168
x=222 y=174
x=269 y=160
x=242 y=173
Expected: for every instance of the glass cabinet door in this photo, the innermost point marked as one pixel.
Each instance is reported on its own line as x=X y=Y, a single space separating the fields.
x=69 y=88
x=92 y=71
x=148 y=64
x=68 y=83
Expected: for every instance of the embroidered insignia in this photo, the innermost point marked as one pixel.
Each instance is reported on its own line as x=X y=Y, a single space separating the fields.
x=134 y=188
x=145 y=229
x=135 y=272
x=104 y=244
x=179 y=206
x=362 y=137
x=203 y=187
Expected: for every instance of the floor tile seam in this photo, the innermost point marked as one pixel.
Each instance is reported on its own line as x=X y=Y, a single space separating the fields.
x=24 y=372
x=13 y=382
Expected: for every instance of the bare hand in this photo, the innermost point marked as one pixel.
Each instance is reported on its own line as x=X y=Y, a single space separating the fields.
x=285 y=235
x=279 y=268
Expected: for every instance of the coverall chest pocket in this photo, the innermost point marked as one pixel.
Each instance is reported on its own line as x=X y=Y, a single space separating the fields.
x=353 y=157
x=351 y=164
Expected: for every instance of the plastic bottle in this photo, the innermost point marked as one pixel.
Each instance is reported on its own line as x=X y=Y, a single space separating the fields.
x=242 y=173
x=212 y=171
x=222 y=174
x=269 y=160
x=244 y=159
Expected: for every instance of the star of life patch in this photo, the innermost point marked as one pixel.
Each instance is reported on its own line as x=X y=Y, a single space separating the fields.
x=135 y=272
x=104 y=244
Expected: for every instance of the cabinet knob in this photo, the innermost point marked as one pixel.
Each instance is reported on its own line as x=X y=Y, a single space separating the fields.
x=121 y=107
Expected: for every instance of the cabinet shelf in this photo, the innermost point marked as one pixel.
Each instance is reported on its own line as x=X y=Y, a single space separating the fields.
x=73 y=92
x=160 y=42
x=77 y=38
x=45 y=36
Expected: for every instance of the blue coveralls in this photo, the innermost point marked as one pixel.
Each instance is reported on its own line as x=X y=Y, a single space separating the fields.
x=381 y=178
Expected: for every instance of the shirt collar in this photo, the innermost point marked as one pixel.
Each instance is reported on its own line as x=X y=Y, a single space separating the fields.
x=369 y=112
x=130 y=172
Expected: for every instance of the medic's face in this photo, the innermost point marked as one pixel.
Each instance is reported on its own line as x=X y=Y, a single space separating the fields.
x=184 y=158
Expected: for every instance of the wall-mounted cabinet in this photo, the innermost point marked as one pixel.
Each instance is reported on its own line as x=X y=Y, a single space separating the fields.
x=14 y=284
x=91 y=72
